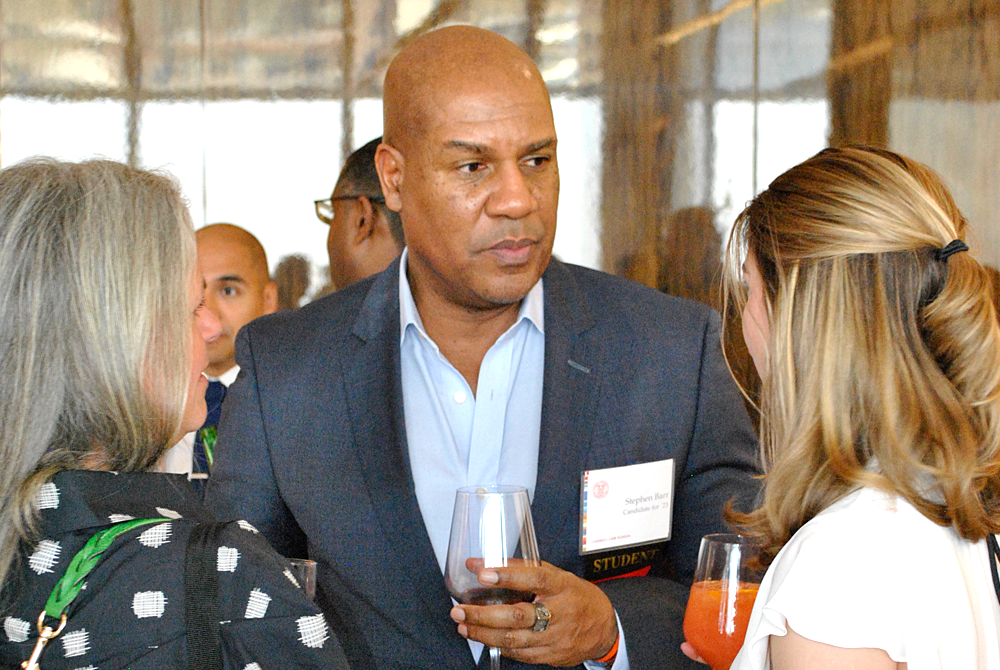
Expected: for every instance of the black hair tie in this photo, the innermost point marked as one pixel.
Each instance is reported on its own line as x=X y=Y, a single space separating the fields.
x=953 y=247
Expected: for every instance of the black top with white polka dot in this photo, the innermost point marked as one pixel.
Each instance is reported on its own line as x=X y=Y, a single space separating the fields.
x=130 y=613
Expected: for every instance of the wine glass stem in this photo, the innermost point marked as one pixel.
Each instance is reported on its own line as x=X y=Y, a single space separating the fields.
x=494 y=658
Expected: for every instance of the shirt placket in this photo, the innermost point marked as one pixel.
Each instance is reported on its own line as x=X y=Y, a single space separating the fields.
x=490 y=412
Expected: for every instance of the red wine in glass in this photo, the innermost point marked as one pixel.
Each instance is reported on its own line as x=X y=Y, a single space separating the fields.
x=495 y=596
x=491 y=528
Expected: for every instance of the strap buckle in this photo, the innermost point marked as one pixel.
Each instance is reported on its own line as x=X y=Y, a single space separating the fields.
x=45 y=633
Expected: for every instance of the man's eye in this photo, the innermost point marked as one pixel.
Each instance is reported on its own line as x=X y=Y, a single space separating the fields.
x=537 y=161
x=470 y=167
x=228 y=291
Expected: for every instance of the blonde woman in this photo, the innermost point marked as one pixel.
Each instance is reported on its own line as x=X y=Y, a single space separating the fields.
x=102 y=346
x=872 y=328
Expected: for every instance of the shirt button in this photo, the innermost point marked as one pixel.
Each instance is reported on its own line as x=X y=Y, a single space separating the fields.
x=459 y=397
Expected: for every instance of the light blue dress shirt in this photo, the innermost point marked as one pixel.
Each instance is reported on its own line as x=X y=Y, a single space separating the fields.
x=457 y=438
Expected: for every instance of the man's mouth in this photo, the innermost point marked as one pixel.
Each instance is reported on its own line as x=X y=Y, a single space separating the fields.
x=513 y=251
x=216 y=340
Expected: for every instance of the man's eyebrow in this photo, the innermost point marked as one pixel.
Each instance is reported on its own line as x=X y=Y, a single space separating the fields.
x=231 y=278
x=468 y=146
x=541 y=144
x=481 y=149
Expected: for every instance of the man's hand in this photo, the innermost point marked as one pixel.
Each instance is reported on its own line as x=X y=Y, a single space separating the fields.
x=582 y=626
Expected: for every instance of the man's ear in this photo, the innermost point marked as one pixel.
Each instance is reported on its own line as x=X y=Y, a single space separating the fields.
x=367 y=221
x=389 y=165
x=270 y=298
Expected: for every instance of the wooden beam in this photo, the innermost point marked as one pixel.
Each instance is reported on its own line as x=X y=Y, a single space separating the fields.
x=860 y=91
x=132 y=56
x=635 y=176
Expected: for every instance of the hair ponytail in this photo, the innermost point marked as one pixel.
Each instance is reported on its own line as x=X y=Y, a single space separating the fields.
x=884 y=360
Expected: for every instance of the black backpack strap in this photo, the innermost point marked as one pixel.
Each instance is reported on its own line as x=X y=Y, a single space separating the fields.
x=994 y=549
x=201 y=598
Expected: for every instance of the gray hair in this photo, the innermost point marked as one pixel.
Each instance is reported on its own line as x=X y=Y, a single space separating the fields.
x=95 y=330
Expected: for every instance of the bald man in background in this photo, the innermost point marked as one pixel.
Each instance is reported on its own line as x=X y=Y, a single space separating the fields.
x=238 y=289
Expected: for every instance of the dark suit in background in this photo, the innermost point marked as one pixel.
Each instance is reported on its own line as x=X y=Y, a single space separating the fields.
x=313 y=452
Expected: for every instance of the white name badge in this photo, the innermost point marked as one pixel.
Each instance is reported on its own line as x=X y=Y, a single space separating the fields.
x=626 y=506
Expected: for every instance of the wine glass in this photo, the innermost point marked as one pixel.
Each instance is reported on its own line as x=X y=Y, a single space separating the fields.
x=490 y=528
x=722 y=597
x=304 y=572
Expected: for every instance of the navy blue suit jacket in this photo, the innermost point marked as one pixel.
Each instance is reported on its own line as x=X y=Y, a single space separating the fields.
x=312 y=451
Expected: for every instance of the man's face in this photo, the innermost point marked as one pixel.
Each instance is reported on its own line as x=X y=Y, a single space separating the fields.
x=360 y=241
x=235 y=292
x=478 y=194
x=338 y=242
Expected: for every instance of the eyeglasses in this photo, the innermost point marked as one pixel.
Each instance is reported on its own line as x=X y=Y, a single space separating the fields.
x=324 y=208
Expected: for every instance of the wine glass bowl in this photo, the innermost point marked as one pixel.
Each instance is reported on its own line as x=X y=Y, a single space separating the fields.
x=722 y=596
x=491 y=528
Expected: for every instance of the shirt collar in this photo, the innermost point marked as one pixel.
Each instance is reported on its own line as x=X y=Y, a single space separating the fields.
x=227 y=377
x=532 y=306
x=79 y=499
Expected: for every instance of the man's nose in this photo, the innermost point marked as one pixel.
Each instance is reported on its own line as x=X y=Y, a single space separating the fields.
x=514 y=196
x=210 y=325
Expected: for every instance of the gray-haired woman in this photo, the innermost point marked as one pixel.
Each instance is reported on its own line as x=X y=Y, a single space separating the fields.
x=102 y=346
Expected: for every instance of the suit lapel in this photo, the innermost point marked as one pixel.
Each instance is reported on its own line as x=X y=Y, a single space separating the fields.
x=375 y=399
x=569 y=397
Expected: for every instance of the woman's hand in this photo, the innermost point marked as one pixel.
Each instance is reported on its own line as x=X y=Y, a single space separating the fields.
x=691 y=653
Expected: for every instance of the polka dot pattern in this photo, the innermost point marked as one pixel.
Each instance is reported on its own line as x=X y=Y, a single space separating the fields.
x=157 y=536
x=76 y=643
x=148 y=604
x=168 y=513
x=228 y=558
x=247 y=526
x=16 y=629
x=135 y=599
x=48 y=497
x=257 y=605
x=313 y=631
x=45 y=556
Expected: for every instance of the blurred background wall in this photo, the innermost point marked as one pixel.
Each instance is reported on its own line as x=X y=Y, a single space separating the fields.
x=667 y=110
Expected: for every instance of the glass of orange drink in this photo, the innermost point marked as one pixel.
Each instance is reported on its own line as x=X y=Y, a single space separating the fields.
x=718 y=609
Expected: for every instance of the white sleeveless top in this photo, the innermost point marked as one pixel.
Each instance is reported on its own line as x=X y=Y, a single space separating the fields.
x=872 y=571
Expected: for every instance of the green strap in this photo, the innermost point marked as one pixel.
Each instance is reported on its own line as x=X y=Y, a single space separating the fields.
x=85 y=560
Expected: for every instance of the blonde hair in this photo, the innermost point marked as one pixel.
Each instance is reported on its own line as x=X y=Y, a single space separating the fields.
x=994 y=275
x=95 y=329
x=884 y=361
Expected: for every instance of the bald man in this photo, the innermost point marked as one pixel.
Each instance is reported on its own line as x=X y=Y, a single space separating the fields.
x=238 y=289
x=476 y=359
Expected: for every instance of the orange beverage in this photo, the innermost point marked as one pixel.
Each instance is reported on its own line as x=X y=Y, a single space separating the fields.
x=716 y=619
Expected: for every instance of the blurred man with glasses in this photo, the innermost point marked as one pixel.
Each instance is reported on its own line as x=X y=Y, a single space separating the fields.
x=365 y=235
